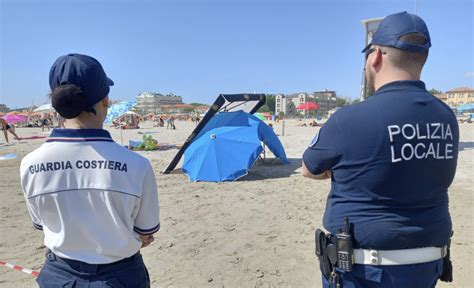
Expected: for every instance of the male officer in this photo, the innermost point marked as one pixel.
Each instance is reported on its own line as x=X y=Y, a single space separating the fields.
x=391 y=160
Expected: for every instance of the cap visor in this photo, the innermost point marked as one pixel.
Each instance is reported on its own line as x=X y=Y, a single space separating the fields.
x=110 y=82
x=366 y=48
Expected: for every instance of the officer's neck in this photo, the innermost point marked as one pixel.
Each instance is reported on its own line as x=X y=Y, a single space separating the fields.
x=85 y=120
x=385 y=77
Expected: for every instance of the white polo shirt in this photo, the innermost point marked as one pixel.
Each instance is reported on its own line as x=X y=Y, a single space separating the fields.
x=90 y=196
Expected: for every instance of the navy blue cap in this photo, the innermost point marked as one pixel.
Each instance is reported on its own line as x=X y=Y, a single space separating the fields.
x=83 y=71
x=397 y=25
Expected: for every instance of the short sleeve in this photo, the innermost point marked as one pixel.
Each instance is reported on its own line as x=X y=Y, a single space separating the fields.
x=147 y=220
x=32 y=206
x=325 y=150
x=31 y=203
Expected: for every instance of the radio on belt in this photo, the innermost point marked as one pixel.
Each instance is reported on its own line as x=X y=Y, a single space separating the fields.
x=345 y=252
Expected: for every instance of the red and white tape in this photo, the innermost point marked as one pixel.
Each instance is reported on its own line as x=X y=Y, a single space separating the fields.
x=19 y=268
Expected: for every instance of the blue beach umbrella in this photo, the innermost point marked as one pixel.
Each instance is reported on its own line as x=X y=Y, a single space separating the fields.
x=228 y=146
x=261 y=130
x=466 y=107
x=117 y=110
x=222 y=154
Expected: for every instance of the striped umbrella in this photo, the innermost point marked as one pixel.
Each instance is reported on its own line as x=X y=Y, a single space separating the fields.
x=117 y=110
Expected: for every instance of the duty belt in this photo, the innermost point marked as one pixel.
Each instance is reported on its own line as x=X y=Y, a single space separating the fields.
x=399 y=257
x=335 y=251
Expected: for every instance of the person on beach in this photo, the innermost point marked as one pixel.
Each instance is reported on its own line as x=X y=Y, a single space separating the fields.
x=391 y=160
x=7 y=128
x=197 y=119
x=45 y=122
x=96 y=201
x=170 y=123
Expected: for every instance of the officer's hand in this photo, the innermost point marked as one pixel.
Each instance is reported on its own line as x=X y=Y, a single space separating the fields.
x=146 y=240
x=306 y=173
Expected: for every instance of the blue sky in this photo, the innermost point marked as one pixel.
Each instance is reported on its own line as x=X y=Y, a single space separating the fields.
x=199 y=49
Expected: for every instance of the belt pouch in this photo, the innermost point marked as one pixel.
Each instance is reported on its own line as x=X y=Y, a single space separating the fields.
x=323 y=253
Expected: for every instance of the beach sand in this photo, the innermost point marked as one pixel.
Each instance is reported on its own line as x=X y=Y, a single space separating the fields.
x=255 y=232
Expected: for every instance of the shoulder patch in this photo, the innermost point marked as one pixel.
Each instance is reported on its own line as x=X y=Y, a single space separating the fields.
x=314 y=141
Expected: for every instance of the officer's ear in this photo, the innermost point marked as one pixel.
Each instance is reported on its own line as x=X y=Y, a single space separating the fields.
x=378 y=57
x=105 y=102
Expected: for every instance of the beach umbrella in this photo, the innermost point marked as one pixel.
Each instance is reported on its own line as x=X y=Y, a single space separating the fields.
x=260 y=116
x=262 y=131
x=308 y=106
x=15 y=118
x=117 y=110
x=222 y=154
x=228 y=146
x=466 y=107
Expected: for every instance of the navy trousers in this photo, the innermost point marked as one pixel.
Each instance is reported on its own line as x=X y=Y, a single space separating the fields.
x=423 y=275
x=59 y=272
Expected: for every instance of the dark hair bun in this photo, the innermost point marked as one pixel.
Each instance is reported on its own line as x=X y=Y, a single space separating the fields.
x=68 y=100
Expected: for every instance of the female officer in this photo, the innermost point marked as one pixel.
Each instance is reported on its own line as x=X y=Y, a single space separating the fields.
x=95 y=201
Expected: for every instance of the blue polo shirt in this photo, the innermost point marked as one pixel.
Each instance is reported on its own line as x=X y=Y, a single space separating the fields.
x=392 y=159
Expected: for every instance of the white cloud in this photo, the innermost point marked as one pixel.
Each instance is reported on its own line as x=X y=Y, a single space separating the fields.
x=469 y=74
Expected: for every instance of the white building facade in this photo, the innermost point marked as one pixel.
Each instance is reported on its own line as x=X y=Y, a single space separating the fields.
x=287 y=103
x=151 y=102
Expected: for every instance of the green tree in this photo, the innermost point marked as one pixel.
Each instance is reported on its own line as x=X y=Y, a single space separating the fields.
x=340 y=102
x=291 y=110
x=355 y=101
x=264 y=109
x=434 y=91
x=270 y=102
x=197 y=104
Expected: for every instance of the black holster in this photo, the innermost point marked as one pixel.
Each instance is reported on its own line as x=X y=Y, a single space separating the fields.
x=326 y=252
x=447 y=275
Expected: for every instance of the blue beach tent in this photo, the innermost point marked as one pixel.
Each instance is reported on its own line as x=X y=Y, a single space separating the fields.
x=228 y=146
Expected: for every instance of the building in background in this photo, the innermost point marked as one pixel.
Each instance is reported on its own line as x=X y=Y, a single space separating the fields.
x=459 y=96
x=280 y=104
x=327 y=100
x=152 y=102
x=442 y=96
x=4 y=108
x=23 y=109
x=287 y=103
